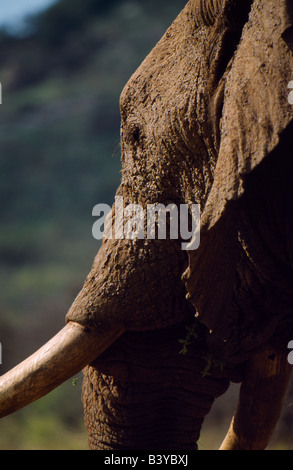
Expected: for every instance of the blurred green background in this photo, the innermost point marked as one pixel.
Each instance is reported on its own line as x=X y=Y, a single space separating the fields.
x=59 y=156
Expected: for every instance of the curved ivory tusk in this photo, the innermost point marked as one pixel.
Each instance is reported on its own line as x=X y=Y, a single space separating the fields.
x=58 y=360
x=261 y=397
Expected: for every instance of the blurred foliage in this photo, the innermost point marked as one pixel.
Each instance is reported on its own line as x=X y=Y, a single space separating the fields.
x=68 y=16
x=59 y=156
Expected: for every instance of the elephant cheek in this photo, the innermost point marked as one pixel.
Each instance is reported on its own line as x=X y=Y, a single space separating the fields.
x=134 y=284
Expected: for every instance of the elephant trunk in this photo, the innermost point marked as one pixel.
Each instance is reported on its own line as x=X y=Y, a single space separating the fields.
x=142 y=394
x=59 y=359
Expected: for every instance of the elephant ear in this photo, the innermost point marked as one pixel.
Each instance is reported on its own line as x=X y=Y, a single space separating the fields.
x=256 y=111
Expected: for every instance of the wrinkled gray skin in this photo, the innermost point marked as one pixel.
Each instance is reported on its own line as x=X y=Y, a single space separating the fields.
x=205 y=119
x=175 y=130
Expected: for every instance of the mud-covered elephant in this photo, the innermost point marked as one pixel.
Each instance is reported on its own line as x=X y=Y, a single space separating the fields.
x=204 y=120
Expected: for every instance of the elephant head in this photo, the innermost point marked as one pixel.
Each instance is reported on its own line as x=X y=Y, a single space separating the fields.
x=204 y=120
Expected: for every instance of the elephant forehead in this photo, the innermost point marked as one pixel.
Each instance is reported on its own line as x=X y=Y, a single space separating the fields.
x=168 y=125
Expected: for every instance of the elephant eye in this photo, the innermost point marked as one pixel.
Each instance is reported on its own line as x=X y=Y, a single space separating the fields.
x=136 y=135
x=133 y=134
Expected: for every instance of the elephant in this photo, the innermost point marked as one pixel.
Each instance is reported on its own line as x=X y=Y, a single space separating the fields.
x=160 y=332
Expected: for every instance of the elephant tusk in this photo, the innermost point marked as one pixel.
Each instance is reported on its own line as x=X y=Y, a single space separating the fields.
x=261 y=397
x=58 y=360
